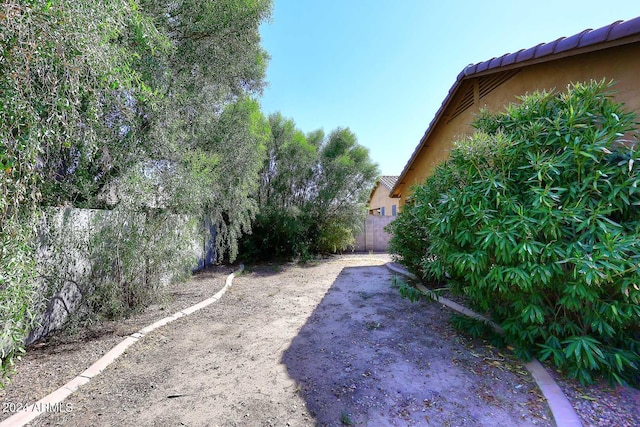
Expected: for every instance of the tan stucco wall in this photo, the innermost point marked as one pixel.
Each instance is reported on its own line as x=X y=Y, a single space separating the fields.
x=380 y=198
x=618 y=63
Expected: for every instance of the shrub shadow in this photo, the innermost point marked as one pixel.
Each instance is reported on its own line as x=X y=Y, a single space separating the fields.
x=362 y=330
x=367 y=356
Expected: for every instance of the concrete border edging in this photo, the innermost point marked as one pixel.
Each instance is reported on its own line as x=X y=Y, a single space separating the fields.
x=561 y=409
x=53 y=401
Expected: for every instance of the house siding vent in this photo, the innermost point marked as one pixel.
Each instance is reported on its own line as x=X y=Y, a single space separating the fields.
x=486 y=85
x=489 y=83
x=466 y=101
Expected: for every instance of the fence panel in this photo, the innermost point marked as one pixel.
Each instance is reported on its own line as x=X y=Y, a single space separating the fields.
x=374 y=238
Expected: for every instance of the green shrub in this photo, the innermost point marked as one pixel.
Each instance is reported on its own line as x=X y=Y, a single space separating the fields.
x=17 y=293
x=335 y=236
x=409 y=238
x=538 y=227
x=294 y=233
x=278 y=234
x=133 y=255
x=409 y=243
x=406 y=290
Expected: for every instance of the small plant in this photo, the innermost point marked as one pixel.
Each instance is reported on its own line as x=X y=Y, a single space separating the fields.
x=345 y=418
x=372 y=326
x=476 y=328
x=406 y=290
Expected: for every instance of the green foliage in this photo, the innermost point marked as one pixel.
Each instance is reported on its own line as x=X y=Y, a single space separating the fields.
x=336 y=235
x=132 y=255
x=278 y=234
x=345 y=419
x=59 y=77
x=409 y=234
x=537 y=225
x=207 y=126
x=345 y=176
x=70 y=95
x=216 y=47
x=138 y=106
x=477 y=329
x=406 y=290
x=17 y=292
x=218 y=176
x=108 y=264
x=312 y=193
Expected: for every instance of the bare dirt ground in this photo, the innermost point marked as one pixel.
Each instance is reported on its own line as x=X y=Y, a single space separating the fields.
x=325 y=344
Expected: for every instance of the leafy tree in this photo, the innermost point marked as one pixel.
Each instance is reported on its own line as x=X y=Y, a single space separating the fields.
x=63 y=72
x=312 y=195
x=346 y=176
x=145 y=100
x=288 y=174
x=207 y=126
x=222 y=173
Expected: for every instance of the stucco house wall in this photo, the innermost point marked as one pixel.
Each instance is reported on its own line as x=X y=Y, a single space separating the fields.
x=380 y=204
x=493 y=89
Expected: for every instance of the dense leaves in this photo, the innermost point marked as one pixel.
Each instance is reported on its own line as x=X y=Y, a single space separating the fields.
x=312 y=194
x=63 y=78
x=141 y=107
x=535 y=219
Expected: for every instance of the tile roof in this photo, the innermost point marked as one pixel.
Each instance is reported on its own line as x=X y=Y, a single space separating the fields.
x=617 y=33
x=586 y=38
x=388 y=180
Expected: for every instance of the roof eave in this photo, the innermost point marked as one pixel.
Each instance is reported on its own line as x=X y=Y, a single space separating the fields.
x=623 y=32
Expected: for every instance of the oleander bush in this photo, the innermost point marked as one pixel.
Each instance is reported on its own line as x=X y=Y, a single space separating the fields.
x=312 y=193
x=537 y=226
x=409 y=232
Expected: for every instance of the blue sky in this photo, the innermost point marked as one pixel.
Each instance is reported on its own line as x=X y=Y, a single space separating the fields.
x=383 y=67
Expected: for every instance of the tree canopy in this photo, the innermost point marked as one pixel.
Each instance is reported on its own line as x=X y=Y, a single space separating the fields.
x=313 y=191
x=138 y=106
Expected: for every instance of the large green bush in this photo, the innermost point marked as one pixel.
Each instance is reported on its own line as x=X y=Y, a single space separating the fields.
x=312 y=193
x=60 y=74
x=278 y=234
x=409 y=232
x=104 y=100
x=538 y=227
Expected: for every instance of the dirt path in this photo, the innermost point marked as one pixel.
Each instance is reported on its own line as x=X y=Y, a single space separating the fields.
x=329 y=345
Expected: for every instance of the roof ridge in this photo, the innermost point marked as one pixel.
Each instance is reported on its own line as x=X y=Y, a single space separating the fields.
x=388 y=181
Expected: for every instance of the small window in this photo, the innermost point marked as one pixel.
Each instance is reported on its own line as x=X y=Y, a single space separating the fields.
x=394 y=210
x=382 y=211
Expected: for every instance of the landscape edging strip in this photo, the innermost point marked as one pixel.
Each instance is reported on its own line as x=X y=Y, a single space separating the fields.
x=561 y=409
x=52 y=400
